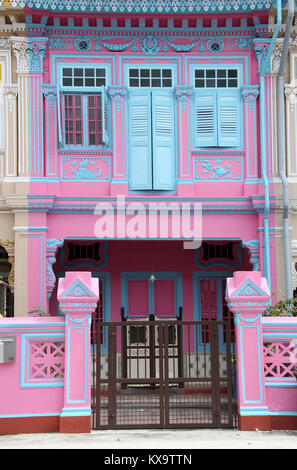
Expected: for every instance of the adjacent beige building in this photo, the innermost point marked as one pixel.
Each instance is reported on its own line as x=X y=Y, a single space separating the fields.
x=14 y=162
x=290 y=141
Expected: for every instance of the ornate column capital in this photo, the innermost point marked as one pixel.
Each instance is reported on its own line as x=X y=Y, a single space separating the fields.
x=19 y=46
x=10 y=93
x=183 y=94
x=50 y=92
x=261 y=47
x=36 y=51
x=250 y=93
x=291 y=93
x=117 y=94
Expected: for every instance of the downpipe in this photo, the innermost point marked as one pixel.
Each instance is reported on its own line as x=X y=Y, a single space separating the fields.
x=281 y=146
x=264 y=68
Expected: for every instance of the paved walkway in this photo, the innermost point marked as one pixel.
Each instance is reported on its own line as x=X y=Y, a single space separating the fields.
x=155 y=439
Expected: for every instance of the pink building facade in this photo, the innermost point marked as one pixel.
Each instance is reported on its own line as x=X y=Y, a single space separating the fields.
x=135 y=116
x=150 y=155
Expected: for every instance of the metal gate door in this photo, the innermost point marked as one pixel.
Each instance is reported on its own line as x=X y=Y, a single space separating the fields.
x=183 y=375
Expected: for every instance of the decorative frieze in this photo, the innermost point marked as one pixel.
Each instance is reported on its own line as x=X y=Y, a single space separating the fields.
x=85 y=168
x=218 y=168
x=153 y=6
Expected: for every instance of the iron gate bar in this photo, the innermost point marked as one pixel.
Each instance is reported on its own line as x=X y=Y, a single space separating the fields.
x=215 y=373
x=229 y=372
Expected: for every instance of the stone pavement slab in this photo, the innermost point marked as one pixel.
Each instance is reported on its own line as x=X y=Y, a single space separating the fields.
x=155 y=439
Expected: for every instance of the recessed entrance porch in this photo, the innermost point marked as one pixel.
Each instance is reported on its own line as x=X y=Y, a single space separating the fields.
x=162 y=335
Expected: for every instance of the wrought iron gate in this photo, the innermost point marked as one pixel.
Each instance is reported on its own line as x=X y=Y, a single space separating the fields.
x=163 y=374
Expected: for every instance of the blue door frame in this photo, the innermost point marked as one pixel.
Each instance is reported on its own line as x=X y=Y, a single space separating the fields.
x=197 y=277
x=127 y=276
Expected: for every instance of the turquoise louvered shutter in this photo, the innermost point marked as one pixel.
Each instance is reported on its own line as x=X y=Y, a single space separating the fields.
x=163 y=141
x=228 y=119
x=205 y=119
x=104 y=115
x=140 y=169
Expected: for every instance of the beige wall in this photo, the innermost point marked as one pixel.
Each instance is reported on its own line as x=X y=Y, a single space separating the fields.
x=14 y=184
x=291 y=158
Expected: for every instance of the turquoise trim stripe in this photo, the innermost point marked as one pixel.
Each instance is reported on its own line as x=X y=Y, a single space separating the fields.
x=28 y=415
x=75 y=412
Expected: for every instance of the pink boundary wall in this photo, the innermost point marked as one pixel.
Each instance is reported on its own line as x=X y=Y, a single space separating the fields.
x=43 y=403
x=267 y=388
x=32 y=397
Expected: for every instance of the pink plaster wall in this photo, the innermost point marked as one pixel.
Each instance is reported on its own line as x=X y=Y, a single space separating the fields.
x=18 y=401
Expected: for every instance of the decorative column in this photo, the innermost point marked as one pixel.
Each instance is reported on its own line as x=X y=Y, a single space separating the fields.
x=9 y=94
x=36 y=51
x=78 y=294
x=50 y=93
x=52 y=246
x=247 y=295
x=183 y=95
x=19 y=46
x=119 y=119
x=250 y=94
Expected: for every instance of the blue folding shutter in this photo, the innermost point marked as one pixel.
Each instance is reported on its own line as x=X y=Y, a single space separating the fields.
x=104 y=115
x=140 y=141
x=228 y=119
x=205 y=118
x=163 y=140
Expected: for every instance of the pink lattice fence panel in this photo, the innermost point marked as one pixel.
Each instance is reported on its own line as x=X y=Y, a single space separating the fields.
x=47 y=360
x=279 y=359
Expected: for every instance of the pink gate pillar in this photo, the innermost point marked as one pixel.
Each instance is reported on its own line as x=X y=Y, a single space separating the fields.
x=247 y=295
x=78 y=294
